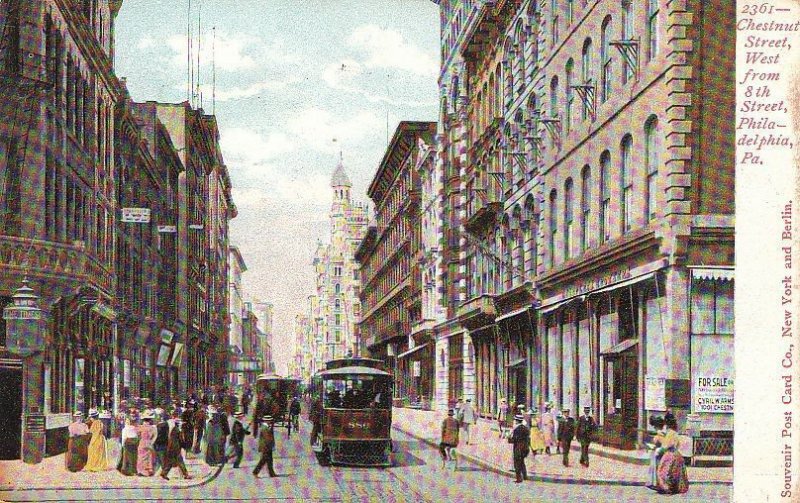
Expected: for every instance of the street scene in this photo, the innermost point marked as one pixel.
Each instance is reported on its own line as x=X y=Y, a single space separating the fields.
x=384 y=250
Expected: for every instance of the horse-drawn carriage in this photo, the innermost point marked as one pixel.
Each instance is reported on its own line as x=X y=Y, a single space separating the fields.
x=274 y=394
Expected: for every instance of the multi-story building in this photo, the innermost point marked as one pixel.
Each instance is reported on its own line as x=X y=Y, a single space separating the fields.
x=597 y=239
x=337 y=281
x=264 y=312
x=57 y=214
x=236 y=267
x=390 y=256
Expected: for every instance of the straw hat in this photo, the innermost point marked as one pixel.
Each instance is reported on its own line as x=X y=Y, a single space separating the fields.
x=77 y=414
x=93 y=413
x=519 y=418
x=266 y=419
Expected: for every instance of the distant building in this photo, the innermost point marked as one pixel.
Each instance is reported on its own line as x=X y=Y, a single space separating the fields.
x=235 y=345
x=264 y=311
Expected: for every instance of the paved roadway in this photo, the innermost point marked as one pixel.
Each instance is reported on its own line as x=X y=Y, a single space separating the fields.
x=416 y=477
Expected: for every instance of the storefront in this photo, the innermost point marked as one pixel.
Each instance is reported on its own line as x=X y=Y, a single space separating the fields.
x=415 y=370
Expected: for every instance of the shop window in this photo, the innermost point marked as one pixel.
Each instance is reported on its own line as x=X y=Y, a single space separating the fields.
x=652 y=28
x=712 y=307
x=627 y=307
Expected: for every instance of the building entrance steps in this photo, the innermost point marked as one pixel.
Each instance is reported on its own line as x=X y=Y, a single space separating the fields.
x=487 y=449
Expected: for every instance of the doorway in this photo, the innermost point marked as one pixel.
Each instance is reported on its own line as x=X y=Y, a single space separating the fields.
x=11 y=418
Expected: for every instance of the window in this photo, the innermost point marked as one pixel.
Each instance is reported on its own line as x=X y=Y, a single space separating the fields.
x=605 y=60
x=712 y=306
x=554 y=15
x=553 y=221
x=627 y=183
x=568 y=219
x=570 y=11
x=337 y=304
x=652 y=154
x=337 y=319
x=570 y=96
x=586 y=70
x=627 y=34
x=586 y=180
x=554 y=97
x=605 y=197
x=652 y=28
x=337 y=288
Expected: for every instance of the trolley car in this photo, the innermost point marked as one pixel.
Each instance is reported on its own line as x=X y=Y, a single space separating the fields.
x=273 y=395
x=352 y=409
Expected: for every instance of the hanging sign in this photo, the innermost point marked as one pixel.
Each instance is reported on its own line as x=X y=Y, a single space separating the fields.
x=136 y=215
x=171 y=229
x=655 y=393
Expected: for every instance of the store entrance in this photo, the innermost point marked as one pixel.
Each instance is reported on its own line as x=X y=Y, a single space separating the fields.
x=11 y=417
x=621 y=397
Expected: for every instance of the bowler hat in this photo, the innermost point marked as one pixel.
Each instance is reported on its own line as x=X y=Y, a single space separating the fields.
x=518 y=417
x=266 y=419
x=451 y=412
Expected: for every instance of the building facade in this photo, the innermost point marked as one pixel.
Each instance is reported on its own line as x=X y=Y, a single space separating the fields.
x=236 y=267
x=390 y=256
x=264 y=313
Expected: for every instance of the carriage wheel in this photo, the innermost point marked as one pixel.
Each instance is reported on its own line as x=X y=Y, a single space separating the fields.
x=324 y=457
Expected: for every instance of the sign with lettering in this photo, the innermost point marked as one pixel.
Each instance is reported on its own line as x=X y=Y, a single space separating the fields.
x=136 y=215
x=655 y=393
x=713 y=394
x=597 y=283
x=21 y=313
x=168 y=228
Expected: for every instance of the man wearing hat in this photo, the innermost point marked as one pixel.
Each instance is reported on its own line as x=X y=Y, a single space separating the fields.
x=266 y=444
x=173 y=455
x=566 y=432
x=449 y=437
x=585 y=434
x=520 y=437
x=236 y=440
x=77 y=444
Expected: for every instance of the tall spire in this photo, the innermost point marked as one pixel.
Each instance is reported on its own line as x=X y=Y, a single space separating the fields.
x=340 y=178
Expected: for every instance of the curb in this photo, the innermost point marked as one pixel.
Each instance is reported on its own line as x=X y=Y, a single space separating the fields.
x=195 y=483
x=555 y=479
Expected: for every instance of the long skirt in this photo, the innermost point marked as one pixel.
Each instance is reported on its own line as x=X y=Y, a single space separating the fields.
x=128 y=459
x=537 y=439
x=652 y=471
x=215 y=446
x=77 y=452
x=671 y=475
x=98 y=454
x=146 y=464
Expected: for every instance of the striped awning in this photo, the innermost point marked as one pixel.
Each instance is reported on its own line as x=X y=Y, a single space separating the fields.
x=712 y=273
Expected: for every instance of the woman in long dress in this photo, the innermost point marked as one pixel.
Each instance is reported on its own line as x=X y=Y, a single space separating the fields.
x=537 y=437
x=145 y=464
x=548 y=429
x=671 y=476
x=130 y=442
x=215 y=447
x=97 y=459
x=502 y=417
x=656 y=450
x=77 y=444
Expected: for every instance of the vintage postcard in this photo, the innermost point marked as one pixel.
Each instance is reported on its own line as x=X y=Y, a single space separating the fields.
x=399 y=250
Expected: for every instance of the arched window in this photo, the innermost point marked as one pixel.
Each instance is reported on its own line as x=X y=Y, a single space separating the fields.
x=652 y=28
x=498 y=260
x=605 y=60
x=521 y=46
x=554 y=22
x=530 y=229
x=568 y=223
x=493 y=112
x=518 y=255
x=586 y=181
x=553 y=229
x=627 y=34
x=652 y=157
x=570 y=11
x=569 y=94
x=627 y=183
x=605 y=197
x=586 y=70
x=554 y=97
x=498 y=95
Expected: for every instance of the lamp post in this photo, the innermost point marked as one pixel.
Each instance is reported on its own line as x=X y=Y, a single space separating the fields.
x=25 y=337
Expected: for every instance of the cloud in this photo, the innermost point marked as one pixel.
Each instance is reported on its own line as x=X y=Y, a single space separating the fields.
x=248 y=147
x=317 y=128
x=146 y=42
x=386 y=48
x=230 y=53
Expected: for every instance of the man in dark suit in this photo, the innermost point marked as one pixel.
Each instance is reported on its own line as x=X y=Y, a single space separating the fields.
x=266 y=444
x=237 y=438
x=521 y=438
x=173 y=456
x=162 y=437
x=585 y=435
x=566 y=432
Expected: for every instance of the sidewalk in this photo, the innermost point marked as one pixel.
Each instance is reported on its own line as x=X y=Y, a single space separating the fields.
x=51 y=474
x=490 y=451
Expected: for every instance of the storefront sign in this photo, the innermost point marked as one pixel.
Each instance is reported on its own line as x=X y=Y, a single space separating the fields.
x=655 y=393
x=136 y=215
x=713 y=394
x=171 y=229
x=166 y=336
x=176 y=355
x=416 y=368
x=163 y=356
x=126 y=373
x=597 y=283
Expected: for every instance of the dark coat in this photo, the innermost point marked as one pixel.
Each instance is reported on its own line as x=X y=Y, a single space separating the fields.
x=162 y=436
x=266 y=439
x=566 y=429
x=521 y=438
x=174 y=445
x=239 y=431
x=586 y=429
x=226 y=429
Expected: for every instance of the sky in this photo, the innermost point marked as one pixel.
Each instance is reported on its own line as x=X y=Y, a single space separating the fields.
x=293 y=84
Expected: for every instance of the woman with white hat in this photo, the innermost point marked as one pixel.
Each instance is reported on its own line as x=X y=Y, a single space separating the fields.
x=145 y=464
x=97 y=460
x=77 y=444
x=215 y=440
x=130 y=443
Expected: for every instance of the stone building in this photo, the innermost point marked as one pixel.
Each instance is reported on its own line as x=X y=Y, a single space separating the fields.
x=389 y=257
x=236 y=268
x=264 y=313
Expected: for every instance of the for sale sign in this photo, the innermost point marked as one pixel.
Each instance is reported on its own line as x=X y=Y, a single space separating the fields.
x=713 y=394
x=136 y=215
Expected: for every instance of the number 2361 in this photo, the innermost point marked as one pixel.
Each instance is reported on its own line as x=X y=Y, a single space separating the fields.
x=753 y=9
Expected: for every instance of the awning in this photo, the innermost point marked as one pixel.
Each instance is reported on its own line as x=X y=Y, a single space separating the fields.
x=412 y=350
x=512 y=313
x=552 y=307
x=712 y=273
x=516 y=363
x=627 y=282
x=620 y=347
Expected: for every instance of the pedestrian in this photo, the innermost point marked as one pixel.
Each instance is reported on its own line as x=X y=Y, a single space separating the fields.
x=557 y=418
x=77 y=443
x=548 y=429
x=215 y=441
x=97 y=459
x=449 y=438
x=199 y=424
x=315 y=416
x=173 y=456
x=671 y=474
x=187 y=424
x=585 y=434
x=236 y=442
x=145 y=464
x=656 y=450
x=458 y=407
x=130 y=446
x=520 y=438
x=468 y=418
x=266 y=444
x=537 y=437
x=502 y=417
x=294 y=411
x=566 y=432
x=247 y=396
x=162 y=436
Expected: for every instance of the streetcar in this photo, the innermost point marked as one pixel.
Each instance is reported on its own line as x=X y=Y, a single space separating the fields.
x=273 y=395
x=352 y=413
